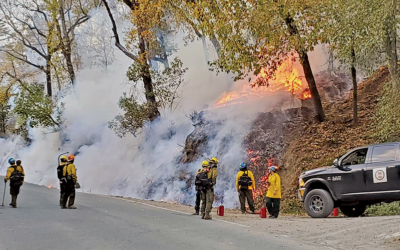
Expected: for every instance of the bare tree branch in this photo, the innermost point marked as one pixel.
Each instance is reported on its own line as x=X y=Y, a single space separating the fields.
x=23 y=60
x=31 y=27
x=115 y=31
x=26 y=42
x=78 y=22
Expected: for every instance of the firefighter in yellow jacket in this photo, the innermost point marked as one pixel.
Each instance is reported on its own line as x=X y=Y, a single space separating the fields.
x=16 y=175
x=274 y=193
x=60 y=176
x=245 y=184
x=70 y=180
x=207 y=194
x=213 y=178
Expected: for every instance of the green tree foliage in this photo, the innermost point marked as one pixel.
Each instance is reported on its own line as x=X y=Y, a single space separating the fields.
x=167 y=84
x=166 y=92
x=133 y=118
x=255 y=35
x=348 y=33
x=151 y=21
x=32 y=105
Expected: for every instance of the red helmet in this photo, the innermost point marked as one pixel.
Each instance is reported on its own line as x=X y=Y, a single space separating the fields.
x=71 y=157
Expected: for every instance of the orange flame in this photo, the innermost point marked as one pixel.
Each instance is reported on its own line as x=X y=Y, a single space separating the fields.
x=306 y=94
x=288 y=77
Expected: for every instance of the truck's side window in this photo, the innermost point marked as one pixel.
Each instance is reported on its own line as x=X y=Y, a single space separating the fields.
x=355 y=158
x=384 y=153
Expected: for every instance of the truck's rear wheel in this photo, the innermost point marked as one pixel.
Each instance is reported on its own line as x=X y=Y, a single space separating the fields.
x=318 y=203
x=353 y=211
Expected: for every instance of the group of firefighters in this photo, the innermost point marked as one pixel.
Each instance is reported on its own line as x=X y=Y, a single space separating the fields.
x=206 y=179
x=66 y=173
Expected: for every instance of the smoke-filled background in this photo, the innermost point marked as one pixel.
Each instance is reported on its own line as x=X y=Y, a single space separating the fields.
x=146 y=166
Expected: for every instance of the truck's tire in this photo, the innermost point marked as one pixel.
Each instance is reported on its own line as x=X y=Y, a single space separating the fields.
x=353 y=211
x=318 y=203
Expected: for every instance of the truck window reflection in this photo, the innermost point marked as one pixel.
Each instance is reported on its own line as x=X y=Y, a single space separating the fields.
x=355 y=158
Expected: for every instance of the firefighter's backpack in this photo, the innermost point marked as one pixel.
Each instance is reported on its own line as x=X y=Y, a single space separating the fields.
x=16 y=178
x=245 y=181
x=202 y=182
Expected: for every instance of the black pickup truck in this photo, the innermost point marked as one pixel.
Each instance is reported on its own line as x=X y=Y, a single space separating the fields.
x=361 y=177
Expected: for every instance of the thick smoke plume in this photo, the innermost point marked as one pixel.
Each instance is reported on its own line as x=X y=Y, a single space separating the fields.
x=146 y=166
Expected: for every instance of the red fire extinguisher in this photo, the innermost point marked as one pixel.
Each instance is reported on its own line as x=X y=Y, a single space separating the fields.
x=263 y=212
x=220 y=210
x=335 y=212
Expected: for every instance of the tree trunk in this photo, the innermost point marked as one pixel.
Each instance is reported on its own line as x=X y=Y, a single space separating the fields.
x=216 y=44
x=3 y=115
x=312 y=85
x=70 y=67
x=293 y=31
x=163 y=56
x=205 y=50
x=391 y=53
x=147 y=81
x=48 y=77
x=354 y=77
x=142 y=59
x=66 y=44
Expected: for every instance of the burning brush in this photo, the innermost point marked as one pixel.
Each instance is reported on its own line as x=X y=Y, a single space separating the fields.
x=288 y=77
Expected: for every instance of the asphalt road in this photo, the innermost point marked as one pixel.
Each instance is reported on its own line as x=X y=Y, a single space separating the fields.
x=102 y=222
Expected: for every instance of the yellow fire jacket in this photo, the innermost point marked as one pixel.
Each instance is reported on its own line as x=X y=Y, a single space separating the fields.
x=274 y=189
x=71 y=170
x=10 y=170
x=213 y=175
x=250 y=174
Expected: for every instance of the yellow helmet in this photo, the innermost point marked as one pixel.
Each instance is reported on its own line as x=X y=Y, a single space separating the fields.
x=63 y=158
x=214 y=160
x=204 y=164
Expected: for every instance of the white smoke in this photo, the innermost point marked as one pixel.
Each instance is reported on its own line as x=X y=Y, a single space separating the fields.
x=128 y=166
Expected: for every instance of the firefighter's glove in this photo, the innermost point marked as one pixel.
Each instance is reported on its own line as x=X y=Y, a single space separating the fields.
x=5 y=181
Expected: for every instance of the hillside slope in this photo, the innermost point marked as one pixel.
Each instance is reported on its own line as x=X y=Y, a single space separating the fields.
x=318 y=144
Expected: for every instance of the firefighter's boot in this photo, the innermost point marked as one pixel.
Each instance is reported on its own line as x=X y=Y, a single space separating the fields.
x=14 y=201
x=196 y=213
x=207 y=216
x=203 y=215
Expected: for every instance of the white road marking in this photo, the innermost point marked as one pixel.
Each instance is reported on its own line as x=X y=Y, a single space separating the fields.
x=234 y=223
x=149 y=205
x=142 y=203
